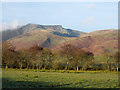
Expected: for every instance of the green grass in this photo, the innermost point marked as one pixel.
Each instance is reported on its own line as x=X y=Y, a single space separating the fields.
x=16 y=78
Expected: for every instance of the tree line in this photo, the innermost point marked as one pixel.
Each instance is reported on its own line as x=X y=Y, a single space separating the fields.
x=69 y=57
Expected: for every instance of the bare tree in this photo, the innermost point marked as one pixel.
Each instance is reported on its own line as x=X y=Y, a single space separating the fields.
x=8 y=54
x=117 y=57
x=68 y=51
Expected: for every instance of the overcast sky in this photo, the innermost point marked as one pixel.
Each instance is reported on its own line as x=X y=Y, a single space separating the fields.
x=82 y=16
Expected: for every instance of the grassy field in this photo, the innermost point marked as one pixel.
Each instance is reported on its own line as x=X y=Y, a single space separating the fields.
x=16 y=78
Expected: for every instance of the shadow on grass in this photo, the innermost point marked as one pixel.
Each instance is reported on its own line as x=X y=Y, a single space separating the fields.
x=8 y=84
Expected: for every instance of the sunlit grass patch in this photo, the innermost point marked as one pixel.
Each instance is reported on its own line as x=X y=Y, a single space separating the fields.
x=15 y=78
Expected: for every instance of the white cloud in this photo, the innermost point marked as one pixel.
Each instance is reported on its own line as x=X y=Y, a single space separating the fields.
x=13 y=25
x=4 y=26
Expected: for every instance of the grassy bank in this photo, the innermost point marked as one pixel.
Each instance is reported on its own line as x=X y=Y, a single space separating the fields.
x=19 y=78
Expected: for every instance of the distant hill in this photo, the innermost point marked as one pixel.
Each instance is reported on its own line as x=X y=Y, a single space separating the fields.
x=54 y=29
x=55 y=36
x=98 y=42
x=44 y=35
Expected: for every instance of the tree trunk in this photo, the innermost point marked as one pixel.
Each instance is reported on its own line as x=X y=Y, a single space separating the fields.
x=117 y=67
x=82 y=69
x=21 y=66
x=27 y=66
x=77 y=68
x=6 y=66
x=33 y=66
x=67 y=66
x=108 y=67
x=37 y=66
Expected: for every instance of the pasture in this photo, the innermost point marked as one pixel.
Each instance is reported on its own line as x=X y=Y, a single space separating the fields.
x=23 y=78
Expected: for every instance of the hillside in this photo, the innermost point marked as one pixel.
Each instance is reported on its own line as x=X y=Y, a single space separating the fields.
x=55 y=36
x=54 y=29
x=98 y=42
x=44 y=35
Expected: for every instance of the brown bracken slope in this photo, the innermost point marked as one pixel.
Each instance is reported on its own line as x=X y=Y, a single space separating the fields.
x=97 y=42
x=55 y=36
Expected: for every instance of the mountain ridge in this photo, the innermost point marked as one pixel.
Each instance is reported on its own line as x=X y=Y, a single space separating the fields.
x=55 y=36
x=98 y=42
x=56 y=29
